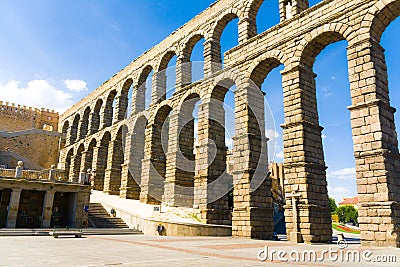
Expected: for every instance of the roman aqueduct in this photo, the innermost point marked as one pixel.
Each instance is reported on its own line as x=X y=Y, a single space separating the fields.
x=95 y=127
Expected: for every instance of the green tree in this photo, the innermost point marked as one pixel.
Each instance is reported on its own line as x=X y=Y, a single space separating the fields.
x=347 y=214
x=332 y=205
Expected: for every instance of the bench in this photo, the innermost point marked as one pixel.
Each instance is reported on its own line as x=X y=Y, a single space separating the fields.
x=66 y=232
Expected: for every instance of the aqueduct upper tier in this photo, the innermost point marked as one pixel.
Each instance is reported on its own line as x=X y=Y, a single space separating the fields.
x=133 y=159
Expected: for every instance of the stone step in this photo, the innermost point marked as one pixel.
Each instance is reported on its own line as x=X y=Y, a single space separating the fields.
x=100 y=218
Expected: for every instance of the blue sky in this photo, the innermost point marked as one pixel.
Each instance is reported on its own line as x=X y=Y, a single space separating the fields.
x=53 y=53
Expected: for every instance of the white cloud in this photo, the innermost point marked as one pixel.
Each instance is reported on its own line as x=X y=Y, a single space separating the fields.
x=343 y=174
x=76 y=85
x=323 y=136
x=280 y=155
x=338 y=193
x=328 y=95
x=37 y=93
x=333 y=78
x=271 y=134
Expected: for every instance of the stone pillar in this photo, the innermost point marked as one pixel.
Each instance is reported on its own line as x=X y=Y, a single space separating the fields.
x=138 y=99
x=94 y=123
x=73 y=176
x=112 y=179
x=13 y=208
x=212 y=57
x=121 y=106
x=375 y=146
x=152 y=182
x=99 y=165
x=106 y=115
x=212 y=183
x=253 y=206
x=159 y=84
x=68 y=137
x=83 y=199
x=183 y=72
x=179 y=179
x=246 y=29
x=290 y=8
x=130 y=188
x=305 y=170
x=86 y=155
x=48 y=208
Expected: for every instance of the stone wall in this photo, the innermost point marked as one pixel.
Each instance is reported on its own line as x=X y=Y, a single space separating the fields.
x=100 y=136
x=15 y=117
x=36 y=146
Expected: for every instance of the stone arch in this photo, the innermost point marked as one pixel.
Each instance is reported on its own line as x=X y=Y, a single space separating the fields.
x=65 y=127
x=222 y=21
x=158 y=151
x=68 y=161
x=192 y=91
x=228 y=79
x=139 y=94
x=108 y=112
x=264 y=64
x=112 y=182
x=88 y=164
x=84 y=124
x=123 y=100
x=100 y=161
x=165 y=59
x=315 y=41
x=179 y=180
x=184 y=73
x=74 y=129
x=300 y=97
x=162 y=77
x=75 y=171
x=218 y=29
x=189 y=43
x=64 y=132
x=212 y=147
x=95 y=122
x=252 y=8
x=379 y=17
x=131 y=176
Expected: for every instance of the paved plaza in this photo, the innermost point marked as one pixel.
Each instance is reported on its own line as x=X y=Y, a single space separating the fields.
x=139 y=250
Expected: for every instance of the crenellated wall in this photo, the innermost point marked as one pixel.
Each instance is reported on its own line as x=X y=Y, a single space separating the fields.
x=14 y=118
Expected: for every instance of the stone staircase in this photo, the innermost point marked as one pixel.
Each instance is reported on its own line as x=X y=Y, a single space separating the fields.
x=100 y=218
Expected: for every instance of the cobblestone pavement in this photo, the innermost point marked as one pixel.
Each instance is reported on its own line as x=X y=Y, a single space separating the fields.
x=132 y=250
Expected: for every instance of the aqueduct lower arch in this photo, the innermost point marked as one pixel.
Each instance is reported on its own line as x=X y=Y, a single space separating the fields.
x=93 y=128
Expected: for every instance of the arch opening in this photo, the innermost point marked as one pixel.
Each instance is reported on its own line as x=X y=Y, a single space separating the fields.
x=83 y=131
x=267 y=77
x=166 y=75
x=192 y=68
x=74 y=129
x=108 y=115
x=95 y=123
x=125 y=100
x=226 y=36
x=159 y=150
x=267 y=14
x=137 y=147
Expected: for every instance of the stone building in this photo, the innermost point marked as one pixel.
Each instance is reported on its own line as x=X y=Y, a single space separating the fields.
x=42 y=199
x=28 y=134
x=148 y=155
